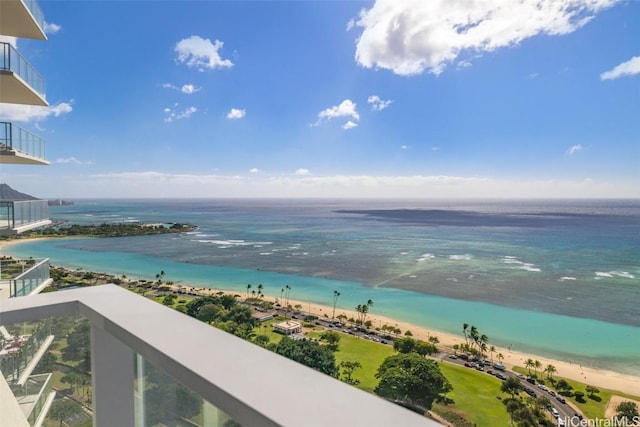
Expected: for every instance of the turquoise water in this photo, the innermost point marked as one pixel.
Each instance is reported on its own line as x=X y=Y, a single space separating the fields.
x=589 y=342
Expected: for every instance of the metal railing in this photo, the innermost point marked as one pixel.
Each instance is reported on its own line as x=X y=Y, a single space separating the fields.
x=12 y=60
x=14 y=138
x=18 y=213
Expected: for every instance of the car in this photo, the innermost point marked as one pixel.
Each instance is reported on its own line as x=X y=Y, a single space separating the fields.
x=498 y=366
x=561 y=422
x=561 y=399
x=468 y=365
x=555 y=412
x=490 y=372
x=453 y=356
x=464 y=357
x=479 y=367
x=531 y=380
x=530 y=392
x=522 y=377
x=501 y=376
x=551 y=392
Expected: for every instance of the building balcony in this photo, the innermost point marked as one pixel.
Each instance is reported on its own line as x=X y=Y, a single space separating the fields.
x=22 y=18
x=18 y=216
x=18 y=146
x=20 y=82
x=23 y=277
x=136 y=344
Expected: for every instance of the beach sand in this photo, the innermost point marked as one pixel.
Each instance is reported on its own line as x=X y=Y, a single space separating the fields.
x=596 y=377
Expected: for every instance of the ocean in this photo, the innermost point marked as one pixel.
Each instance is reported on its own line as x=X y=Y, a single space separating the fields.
x=555 y=278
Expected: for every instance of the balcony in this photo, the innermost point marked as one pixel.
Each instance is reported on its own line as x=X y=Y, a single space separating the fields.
x=20 y=82
x=20 y=277
x=22 y=18
x=18 y=146
x=133 y=340
x=18 y=216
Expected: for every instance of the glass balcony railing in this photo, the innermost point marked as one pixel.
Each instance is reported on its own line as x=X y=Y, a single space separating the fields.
x=151 y=365
x=23 y=276
x=14 y=138
x=36 y=12
x=32 y=395
x=19 y=214
x=20 y=351
x=12 y=60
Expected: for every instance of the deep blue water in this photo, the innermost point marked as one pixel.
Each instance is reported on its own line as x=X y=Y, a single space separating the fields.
x=555 y=278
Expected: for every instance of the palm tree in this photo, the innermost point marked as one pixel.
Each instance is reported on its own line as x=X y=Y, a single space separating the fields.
x=336 y=294
x=550 y=370
x=500 y=356
x=537 y=365
x=281 y=292
x=482 y=344
x=492 y=350
x=474 y=335
x=260 y=288
x=529 y=364
x=248 y=289
x=465 y=326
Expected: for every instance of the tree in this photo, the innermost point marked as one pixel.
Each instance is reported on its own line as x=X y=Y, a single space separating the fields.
x=511 y=386
x=408 y=333
x=347 y=371
x=262 y=340
x=404 y=345
x=627 y=411
x=529 y=364
x=332 y=339
x=336 y=295
x=412 y=381
x=63 y=409
x=424 y=348
x=248 y=289
x=550 y=370
x=536 y=365
x=591 y=390
x=309 y=353
x=492 y=350
x=579 y=395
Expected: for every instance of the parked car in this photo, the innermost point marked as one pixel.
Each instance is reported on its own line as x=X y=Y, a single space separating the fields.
x=453 y=356
x=501 y=376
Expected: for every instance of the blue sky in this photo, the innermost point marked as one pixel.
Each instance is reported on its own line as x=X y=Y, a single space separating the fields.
x=381 y=98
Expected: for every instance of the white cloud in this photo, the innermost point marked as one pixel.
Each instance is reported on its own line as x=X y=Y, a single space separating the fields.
x=378 y=104
x=31 y=113
x=349 y=125
x=404 y=147
x=574 y=149
x=413 y=36
x=628 y=68
x=174 y=114
x=236 y=113
x=346 y=108
x=532 y=76
x=162 y=184
x=254 y=170
x=435 y=148
x=51 y=28
x=200 y=53
x=73 y=160
x=187 y=88
x=302 y=172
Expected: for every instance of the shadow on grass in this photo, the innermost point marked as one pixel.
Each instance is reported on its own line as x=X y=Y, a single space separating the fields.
x=596 y=398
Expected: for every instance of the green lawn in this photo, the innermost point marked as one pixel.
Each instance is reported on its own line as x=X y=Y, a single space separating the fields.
x=475 y=393
x=591 y=407
x=368 y=353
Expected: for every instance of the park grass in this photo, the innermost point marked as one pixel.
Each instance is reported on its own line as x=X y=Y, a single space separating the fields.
x=370 y=355
x=592 y=407
x=476 y=395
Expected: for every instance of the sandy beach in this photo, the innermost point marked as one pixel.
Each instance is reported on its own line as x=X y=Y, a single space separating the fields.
x=600 y=378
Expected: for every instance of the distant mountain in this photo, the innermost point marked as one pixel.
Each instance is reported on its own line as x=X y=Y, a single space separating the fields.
x=8 y=193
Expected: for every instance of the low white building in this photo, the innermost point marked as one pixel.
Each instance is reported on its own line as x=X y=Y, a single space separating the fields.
x=288 y=327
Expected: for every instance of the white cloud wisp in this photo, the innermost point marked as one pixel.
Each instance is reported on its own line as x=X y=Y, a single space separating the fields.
x=628 y=68
x=236 y=113
x=32 y=113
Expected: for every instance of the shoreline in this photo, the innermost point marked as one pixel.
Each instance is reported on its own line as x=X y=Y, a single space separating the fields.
x=598 y=377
